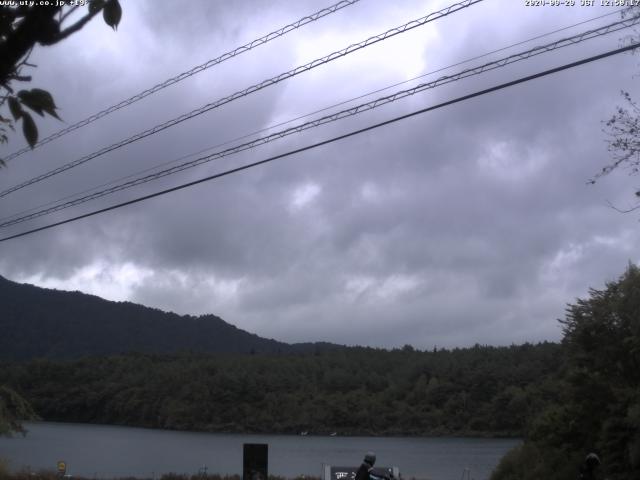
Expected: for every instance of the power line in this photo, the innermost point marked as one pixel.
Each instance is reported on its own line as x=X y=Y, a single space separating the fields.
x=334 y=139
x=254 y=88
x=193 y=71
x=587 y=35
x=271 y=127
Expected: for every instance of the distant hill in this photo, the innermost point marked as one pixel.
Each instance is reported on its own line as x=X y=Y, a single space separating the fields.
x=38 y=322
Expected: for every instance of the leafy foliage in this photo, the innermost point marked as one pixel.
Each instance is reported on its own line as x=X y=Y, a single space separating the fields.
x=13 y=409
x=22 y=27
x=112 y=13
x=623 y=129
x=474 y=391
x=598 y=408
x=531 y=462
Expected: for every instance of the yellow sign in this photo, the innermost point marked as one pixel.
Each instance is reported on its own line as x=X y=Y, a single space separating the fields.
x=62 y=467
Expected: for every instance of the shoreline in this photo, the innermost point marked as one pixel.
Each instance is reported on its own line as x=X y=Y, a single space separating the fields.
x=363 y=434
x=109 y=452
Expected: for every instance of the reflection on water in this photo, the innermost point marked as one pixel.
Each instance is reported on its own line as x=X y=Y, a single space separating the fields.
x=108 y=451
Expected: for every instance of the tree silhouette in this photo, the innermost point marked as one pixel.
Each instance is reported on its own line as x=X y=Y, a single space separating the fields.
x=22 y=28
x=623 y=131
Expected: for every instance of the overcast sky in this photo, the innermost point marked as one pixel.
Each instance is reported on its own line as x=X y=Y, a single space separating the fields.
x=468 y=224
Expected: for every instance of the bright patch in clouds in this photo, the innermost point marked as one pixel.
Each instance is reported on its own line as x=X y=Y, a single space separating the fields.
x=370 y=192
x=380 y=290
x=398 y=58
x=303 y=195
x=507 y=161
x=566 y=257
x=110 y=281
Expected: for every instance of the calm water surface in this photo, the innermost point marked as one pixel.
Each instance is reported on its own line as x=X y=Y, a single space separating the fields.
x=107 y=451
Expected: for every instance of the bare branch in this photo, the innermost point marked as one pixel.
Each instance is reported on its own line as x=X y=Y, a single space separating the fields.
x=76 y=26
x=21 y=78
x=69 y=12
x=24 y=61
x=623 y=130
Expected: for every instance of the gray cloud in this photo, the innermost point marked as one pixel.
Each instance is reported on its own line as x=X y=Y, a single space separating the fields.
x=472 y=223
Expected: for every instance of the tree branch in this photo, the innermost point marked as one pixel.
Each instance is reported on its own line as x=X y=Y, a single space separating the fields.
x=76 y=26
x=21 y=78
x=18 y=43
x=69 y=12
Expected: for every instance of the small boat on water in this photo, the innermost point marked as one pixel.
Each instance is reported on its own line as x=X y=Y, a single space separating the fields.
x=304 y=434
x=333 y=434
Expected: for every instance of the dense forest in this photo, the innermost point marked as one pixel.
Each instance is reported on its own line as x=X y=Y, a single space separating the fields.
x=474 y=391
x=597 y=407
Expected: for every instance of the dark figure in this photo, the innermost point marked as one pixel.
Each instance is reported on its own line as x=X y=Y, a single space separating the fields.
x=366 y=467
x=589 y=467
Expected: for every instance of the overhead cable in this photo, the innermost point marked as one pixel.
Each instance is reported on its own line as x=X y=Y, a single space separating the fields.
x=333 y=139
x=189 y=73
x=254 y=88
x=300 y=117
x=573 y=40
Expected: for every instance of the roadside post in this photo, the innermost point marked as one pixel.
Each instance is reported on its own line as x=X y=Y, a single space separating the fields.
x=61 y=468
x=255 y=461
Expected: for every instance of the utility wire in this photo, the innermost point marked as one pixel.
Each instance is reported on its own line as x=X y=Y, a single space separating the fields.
x=254 y=88
x=271 y=127
x=587 y=35
x=300 y=117
x=334 y=139
x=195 y=70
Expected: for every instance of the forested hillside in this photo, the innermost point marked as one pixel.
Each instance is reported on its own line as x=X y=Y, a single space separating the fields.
x=38 y=322
x=474 y=391
x=597 y=405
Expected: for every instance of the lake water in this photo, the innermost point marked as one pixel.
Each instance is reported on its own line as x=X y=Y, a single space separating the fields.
x=109 y=452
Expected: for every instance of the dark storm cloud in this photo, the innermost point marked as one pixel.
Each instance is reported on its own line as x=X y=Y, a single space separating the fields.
x=469 y=224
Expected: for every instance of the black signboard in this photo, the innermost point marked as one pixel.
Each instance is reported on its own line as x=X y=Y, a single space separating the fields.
x=255 y=464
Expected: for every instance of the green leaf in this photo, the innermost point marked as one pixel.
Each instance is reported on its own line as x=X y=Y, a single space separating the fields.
x=39 y=101
x=95 y=5
x=29 y=129
x=112 y=13
x=27 y=101
x=15 y=108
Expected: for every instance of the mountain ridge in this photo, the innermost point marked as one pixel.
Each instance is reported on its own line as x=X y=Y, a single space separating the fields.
x=40 y=322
